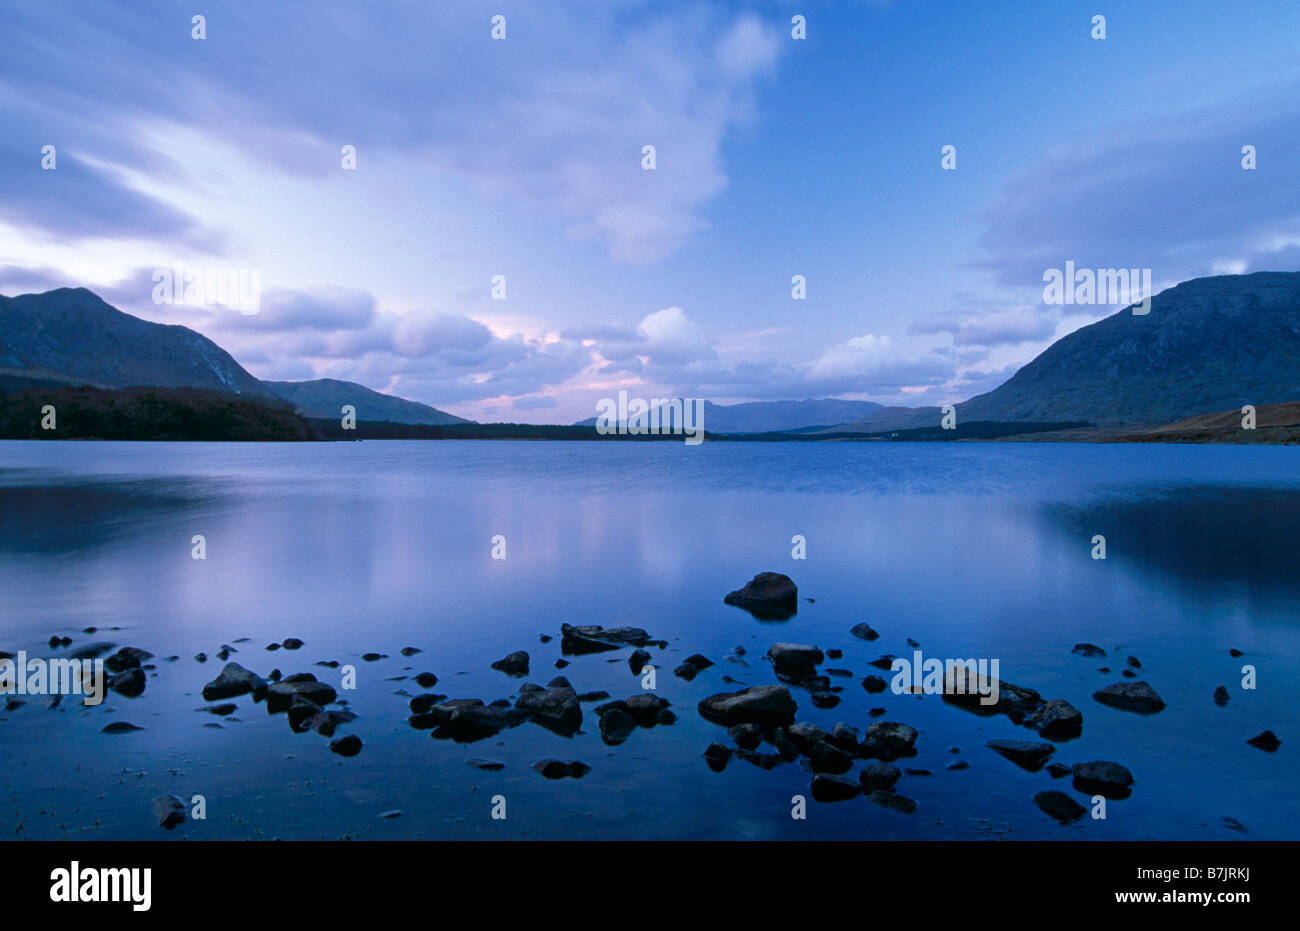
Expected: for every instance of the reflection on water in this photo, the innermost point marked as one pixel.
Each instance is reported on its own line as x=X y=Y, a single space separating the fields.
x=969 y=549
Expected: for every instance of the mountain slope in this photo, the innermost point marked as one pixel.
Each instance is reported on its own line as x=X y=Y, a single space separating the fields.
x=767 y=416
x=1209 y=344
x=325 y=397
x=70 y=335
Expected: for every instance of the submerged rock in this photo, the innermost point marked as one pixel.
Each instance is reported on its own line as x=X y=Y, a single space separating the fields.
x=864 y=631
x=747 y=736
x=346 y=746
x=888 y=740
x=1130 y=696
x=1027 y=754
x=130 y=683
x=1059 y=805
x=516 y=664
x=893 y=801
x=1221 y=696
x=831 y=788
x=1101 y=777
x=767 y=595
x=119 y=727
x=616 y=726
x=168 y=811
x=1088 y=649
x=557 y=769
x=1267 y=741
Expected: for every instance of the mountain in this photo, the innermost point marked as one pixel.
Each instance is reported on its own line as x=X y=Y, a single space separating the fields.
x=768 y=416
x=1209 y=344
x=325 y=397
x=71 y=336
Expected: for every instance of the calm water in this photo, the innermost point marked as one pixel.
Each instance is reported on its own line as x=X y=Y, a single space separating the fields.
x=978 y=550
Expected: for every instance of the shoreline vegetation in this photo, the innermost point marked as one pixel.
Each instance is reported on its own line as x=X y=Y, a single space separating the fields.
x=202 y=415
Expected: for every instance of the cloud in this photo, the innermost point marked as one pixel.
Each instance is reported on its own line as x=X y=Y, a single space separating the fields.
x=1172 y=197
x=558 y=124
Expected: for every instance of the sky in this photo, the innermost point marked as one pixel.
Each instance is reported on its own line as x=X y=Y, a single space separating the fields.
x=522 y=157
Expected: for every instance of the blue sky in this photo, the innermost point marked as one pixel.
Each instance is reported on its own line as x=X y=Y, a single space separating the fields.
x=775 y=157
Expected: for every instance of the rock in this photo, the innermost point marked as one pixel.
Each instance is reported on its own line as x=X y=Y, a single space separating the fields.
x=699 y=661
x=233 y=681
x=717 y=756
x=555 y=708
x=844 y=737
x=888 y=740
x=893 y=801
x=795 y=662
x=467 y=722
x=817 y=684
x=130 y=683
x=1128 y=674
x=747 y=736
x=686 y=671
x=1221 y=696
x=767 y=595
x=291 y=643
x=877 y=712
x=824 y=699
x=426 y=680
x=221 y=710
x=561 y=663
x=759 y=704
x=645 y=708
x=1056 y=719
x=279 y=695
x=273 y=646
x=409 y=651
x=516 y=664
x=555 y=769
x=1267 y=741
x=912 y=643
x=1235 y=652
x=1088 y=649
x=325 y=722
x=803 y=735
x=480 y=763
x=422 y=703
x=126 y=658
x=1027 y=754
x=90 y=651
x=1101 y=777
x=200 y=657
x=638 y=661
x=969 y=691
x=559 y=682
x=834 y=654
x=883 y=662
x=616 y=726
x=1059 y=805
x=1133 y=661
x=864 y=631
x=839 y=673
x=1130 y=696
x=761 y=760
x=300 y=710
x=592 y=696
x=827 y=758
x=785 y=747
x=346 y=746
x=119 y=727
x=1059 y=769
x=831 y=788
x=958 y=764
x=665 y=717
x=168 y=811
x=874 y=684
x=592 y=638
x=376 y=657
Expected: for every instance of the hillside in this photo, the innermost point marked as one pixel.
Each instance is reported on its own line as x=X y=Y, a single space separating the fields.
x=324 y=398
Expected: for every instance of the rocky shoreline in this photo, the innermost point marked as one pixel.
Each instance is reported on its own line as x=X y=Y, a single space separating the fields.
x=758 y=724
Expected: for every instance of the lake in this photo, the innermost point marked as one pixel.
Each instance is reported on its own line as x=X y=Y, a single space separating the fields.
x=970 y=549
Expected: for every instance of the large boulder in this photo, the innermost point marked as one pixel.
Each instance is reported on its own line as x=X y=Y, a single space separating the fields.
x=759 y=704
x=769 y=595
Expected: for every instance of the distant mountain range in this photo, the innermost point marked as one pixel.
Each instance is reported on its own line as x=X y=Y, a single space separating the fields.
x=1209 y=344
x=70 y=337
x=773 y=416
